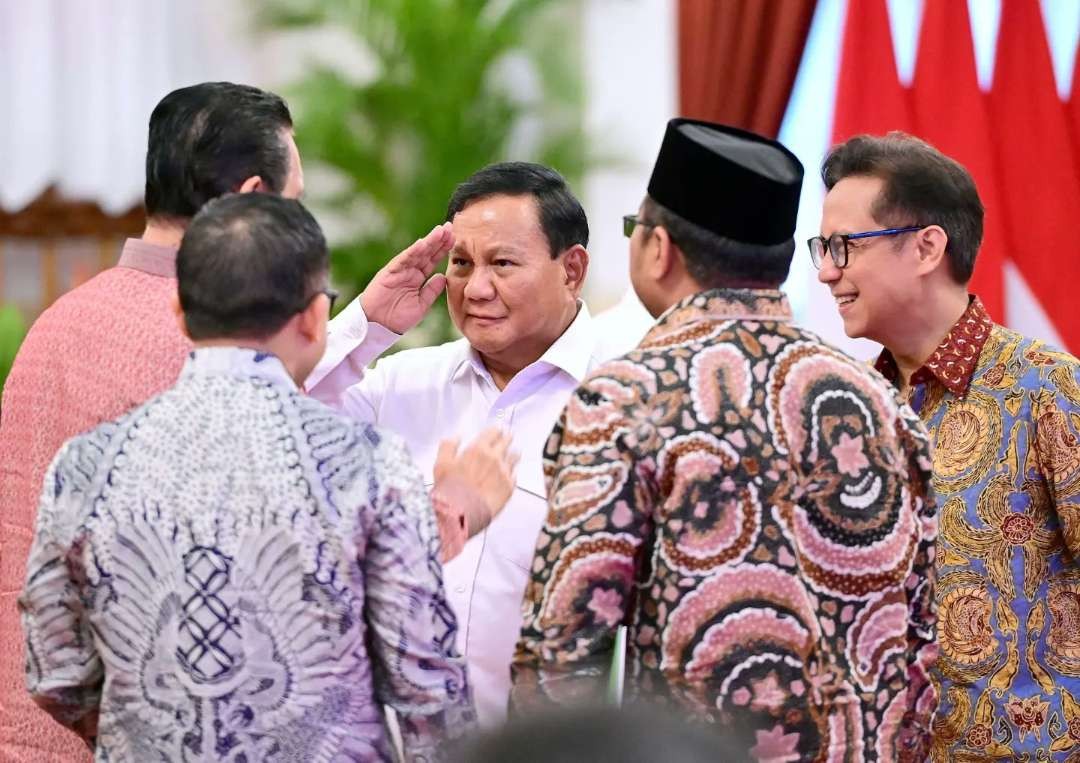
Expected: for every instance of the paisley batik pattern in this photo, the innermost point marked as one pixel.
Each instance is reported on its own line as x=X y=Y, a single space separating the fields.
x=1003 y=413
x=752 y=503
x=234 y=572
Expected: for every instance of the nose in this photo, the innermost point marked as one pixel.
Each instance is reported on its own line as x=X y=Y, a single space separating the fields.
x=828 y=272
x=479 y=287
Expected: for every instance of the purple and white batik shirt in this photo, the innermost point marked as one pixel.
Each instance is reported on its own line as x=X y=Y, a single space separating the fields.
x=234 y=571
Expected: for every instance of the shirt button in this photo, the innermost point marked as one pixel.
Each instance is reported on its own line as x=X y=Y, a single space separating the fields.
x=499 y=413
x=460 y=589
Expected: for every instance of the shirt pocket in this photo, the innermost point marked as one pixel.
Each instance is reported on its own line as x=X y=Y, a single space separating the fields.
x=512 y=535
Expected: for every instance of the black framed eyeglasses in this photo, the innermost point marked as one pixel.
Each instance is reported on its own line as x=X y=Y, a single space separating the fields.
x=331 y=294
x=629 y=222
x=837 y=244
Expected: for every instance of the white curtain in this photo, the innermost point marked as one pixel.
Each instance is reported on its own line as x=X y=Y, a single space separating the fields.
x=79 y=78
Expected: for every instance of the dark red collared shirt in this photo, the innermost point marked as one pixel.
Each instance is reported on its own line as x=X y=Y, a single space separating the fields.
x=954 y=361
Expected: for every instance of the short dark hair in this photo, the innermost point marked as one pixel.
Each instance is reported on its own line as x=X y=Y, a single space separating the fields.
x=247 y=264
x=561 y=215
x=205 y=140
x=922 y=186
x=715 y=261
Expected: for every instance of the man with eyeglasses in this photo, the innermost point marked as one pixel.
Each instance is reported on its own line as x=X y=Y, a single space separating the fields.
x=112 y=342
x=747 y=500
x=901 y=229
x=233 y=570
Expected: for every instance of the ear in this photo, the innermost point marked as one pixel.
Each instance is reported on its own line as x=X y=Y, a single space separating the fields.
x=664 y=257
x=178 y=311
x=575 y=261
x=930 y=245
x=311 y=322
x=253 y=183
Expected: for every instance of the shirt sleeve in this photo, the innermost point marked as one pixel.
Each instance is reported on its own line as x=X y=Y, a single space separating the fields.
x=352 y=343
x=1056 y=412
x=418 y=671
x=64 y=673
x=922 y=648
x=589 y=551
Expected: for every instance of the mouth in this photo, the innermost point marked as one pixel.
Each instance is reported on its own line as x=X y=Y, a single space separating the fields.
x=844 y=301
x=484 y=320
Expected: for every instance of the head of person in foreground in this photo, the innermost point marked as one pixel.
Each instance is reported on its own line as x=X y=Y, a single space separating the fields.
x=253 y=271
x=719 y=213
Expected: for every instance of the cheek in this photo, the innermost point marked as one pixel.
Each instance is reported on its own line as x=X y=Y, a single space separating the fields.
x=879 y=294
x=455 y=291
x=516 y=291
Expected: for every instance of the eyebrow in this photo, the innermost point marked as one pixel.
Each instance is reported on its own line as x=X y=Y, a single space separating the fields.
x=499 y=249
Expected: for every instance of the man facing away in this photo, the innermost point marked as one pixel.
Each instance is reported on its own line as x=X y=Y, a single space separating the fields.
x=113 y=342
x=901 y=229
x=513 y=283
x=748 y=500
x=233 y=570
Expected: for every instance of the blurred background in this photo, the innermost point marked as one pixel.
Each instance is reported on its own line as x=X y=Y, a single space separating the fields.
x=396 y=101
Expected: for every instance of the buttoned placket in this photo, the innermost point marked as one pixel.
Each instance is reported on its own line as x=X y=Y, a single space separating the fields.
x=503 y=404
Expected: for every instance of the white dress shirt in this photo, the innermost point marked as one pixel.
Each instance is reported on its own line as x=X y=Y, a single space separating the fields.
x=428 y=394
x=622 y=326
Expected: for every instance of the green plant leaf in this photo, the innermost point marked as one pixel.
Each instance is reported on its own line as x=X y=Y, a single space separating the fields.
x=433 y=115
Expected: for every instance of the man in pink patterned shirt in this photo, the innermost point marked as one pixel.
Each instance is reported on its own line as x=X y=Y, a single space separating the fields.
x=114 y=341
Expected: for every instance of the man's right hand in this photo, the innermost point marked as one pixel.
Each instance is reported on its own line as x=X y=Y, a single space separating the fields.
x=404 y=289
x=486 y=467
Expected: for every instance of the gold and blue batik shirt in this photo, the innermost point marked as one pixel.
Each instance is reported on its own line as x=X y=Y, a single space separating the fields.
x=1003 y=411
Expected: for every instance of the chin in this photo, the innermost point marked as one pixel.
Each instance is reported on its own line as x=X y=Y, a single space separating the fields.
x=853 y=328
x=486 y=346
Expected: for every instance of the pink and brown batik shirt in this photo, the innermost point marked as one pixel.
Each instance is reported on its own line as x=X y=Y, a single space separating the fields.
x=752 y=504
x=1003 y=413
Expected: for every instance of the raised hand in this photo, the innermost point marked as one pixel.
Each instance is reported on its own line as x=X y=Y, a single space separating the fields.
x=404 y=289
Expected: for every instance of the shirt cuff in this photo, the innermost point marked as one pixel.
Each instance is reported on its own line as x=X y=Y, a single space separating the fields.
x=352 y=343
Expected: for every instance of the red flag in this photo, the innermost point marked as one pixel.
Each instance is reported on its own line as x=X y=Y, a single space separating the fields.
x=950 y=111
x=869 y=97
x=1038 y=171
x=1074 y=107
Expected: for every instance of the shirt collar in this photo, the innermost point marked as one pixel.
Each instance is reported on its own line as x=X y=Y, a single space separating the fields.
x=723 y=304
x=149 y=258
x=572 y=352
x=954 y=361
x=237 y=362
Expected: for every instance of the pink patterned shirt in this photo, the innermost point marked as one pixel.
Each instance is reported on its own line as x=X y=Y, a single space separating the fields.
x=99 y=350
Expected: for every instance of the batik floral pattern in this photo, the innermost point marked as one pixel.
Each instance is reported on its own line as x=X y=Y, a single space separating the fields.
x=752 y=503
x=1004 y=423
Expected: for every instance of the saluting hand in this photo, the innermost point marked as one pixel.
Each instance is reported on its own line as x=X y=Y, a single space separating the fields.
x=404 y=289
